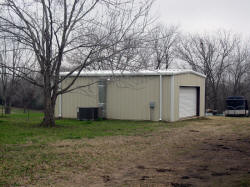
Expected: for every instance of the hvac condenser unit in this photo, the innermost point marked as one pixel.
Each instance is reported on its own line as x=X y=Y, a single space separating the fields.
x=90 y=113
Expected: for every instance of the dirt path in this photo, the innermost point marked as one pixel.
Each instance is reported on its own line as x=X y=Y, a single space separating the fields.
x=205 y=153
x=211 y=152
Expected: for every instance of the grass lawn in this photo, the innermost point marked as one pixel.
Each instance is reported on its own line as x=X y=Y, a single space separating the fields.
x=211 y=151
x=18 y=129
x=25 y=149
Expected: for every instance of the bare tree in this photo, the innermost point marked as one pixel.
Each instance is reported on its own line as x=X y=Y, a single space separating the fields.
x=163 y=40
x=156 y=50
x=122 y=55
x=240 y=66
x=27 y=96
x=54 y=30
x=209 y=54
x=10 y=57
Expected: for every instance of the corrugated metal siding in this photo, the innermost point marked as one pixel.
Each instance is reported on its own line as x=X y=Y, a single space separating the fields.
x=166 y=97
x=129 y=98
x=189 y=80
x=83 y=97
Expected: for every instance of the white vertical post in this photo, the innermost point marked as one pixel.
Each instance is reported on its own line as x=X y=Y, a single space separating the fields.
x=60 y=101
x=204 y=99
x=160 y=98
x=172 y=100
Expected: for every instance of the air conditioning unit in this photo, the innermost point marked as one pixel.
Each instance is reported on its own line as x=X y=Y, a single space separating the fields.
x=90 y=113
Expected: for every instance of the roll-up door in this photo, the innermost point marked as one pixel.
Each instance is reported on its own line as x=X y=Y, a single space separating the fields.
x=187 y=102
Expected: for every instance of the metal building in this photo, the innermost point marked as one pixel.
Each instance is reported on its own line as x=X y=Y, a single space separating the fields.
x=167 y=95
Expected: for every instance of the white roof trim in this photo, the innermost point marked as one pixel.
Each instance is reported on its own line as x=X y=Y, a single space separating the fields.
x=102 y=73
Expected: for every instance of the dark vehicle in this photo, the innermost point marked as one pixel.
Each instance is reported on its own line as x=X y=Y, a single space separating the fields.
x=236 y=106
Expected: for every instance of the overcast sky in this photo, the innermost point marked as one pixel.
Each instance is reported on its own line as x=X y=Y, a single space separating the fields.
x=206 y=15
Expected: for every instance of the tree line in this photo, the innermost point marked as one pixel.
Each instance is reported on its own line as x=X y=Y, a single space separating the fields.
x=41 y=38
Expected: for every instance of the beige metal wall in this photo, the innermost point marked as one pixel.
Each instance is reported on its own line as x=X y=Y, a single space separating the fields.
x=83 y=97
x=188 y=80
x=129 y=97
x=166 y=98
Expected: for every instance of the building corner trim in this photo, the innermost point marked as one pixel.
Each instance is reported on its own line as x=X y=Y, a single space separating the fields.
x=60 y=102
x=160 y=119
x=172 y=95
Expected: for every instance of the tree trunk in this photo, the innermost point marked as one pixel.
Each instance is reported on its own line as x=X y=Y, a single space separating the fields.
x=49 y=111
x=49 y=108
x=4 y=102
x=215 y=101
x=5 y=106
x=49 y=99
x=8 y=107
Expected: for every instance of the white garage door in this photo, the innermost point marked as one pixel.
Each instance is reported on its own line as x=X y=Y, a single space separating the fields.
x=187 y=102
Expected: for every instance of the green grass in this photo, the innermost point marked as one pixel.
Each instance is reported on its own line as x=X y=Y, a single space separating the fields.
x=18 y=129
x=33 y=155
x=28 y=153
x=26 y=150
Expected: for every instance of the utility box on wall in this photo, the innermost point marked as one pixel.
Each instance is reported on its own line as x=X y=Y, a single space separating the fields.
x=152 y=105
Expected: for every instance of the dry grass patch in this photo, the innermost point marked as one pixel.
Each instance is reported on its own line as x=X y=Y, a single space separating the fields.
x=207 y=152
